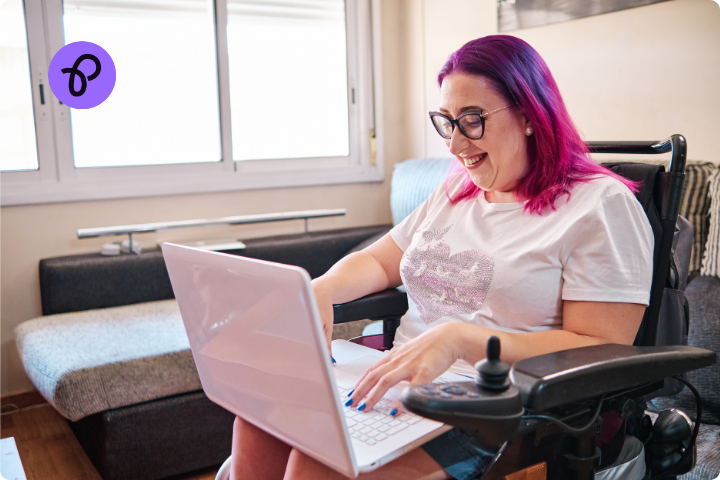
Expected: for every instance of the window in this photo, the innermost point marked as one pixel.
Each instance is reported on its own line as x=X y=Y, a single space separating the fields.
x=164 y=107
x=18 y=145
x=296 y=56
x=210 y=96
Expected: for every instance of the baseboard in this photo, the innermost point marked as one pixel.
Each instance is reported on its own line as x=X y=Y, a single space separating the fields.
x=19 y=400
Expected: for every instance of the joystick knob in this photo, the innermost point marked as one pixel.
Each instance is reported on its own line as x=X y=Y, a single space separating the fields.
x=493 y=372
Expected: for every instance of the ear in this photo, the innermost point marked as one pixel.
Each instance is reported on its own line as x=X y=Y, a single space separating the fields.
x=527 y=125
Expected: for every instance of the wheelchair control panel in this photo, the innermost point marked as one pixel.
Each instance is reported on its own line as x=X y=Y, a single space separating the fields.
x=490 y=405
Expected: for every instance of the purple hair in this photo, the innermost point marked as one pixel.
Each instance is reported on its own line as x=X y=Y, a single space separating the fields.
x=557 y=155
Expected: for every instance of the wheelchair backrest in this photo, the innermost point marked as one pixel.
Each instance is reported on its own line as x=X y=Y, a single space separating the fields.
x=660 y=193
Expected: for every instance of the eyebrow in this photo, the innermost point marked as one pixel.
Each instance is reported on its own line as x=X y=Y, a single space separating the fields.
x=462 y=110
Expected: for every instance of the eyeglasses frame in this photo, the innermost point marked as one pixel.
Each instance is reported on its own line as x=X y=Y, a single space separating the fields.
x=456 y=121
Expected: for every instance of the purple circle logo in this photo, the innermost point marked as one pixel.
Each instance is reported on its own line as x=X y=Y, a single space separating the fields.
x=82 y=75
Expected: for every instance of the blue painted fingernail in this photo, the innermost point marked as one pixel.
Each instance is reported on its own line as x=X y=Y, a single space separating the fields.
x=393 y=412
x=349 y=402
x=362 y=407
x=351 y=392
x=333 y=360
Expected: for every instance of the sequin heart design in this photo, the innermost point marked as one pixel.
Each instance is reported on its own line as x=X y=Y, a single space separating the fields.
x=441 y=284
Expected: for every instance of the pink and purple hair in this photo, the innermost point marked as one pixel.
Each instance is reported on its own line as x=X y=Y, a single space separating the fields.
x=558 y=156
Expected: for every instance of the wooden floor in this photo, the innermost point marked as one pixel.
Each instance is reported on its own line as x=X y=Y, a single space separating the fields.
x=49 y=450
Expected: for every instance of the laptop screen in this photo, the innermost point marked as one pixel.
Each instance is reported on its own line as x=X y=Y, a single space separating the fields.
x=259 y=348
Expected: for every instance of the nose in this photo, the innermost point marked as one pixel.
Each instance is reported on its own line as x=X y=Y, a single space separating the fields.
x=457 y=142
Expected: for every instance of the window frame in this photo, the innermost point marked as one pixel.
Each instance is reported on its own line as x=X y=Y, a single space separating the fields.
x=42 y=112
x=57 y=179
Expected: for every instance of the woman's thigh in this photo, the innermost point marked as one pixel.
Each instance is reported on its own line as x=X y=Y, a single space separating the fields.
x=416 y=464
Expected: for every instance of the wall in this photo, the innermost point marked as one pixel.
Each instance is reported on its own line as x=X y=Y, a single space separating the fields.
x=614 y=72
x=638 y=74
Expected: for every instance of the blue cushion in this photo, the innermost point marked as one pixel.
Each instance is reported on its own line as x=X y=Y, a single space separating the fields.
x=413 y=181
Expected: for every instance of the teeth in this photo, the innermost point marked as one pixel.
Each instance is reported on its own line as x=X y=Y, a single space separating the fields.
x=474 y=160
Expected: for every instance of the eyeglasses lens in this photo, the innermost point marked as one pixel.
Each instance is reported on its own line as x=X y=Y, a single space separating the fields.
x=443 y=126
x=472 y=126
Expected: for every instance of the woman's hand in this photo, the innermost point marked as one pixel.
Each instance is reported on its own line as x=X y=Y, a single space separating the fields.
x=419 y=361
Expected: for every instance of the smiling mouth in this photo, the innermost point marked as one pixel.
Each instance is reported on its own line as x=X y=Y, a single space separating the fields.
x=470 y=161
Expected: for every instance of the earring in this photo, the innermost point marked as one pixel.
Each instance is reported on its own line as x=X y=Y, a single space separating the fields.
x=529 y=131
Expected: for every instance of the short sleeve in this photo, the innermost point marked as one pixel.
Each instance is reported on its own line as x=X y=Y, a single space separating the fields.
x=610 y=255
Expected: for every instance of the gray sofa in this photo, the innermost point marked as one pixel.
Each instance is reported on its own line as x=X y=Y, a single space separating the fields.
x=111 y=355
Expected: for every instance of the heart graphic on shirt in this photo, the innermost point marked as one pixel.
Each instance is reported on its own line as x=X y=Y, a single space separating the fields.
x=441 y=284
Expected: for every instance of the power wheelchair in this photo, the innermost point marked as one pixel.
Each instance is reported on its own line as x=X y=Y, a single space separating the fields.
x=546 y=412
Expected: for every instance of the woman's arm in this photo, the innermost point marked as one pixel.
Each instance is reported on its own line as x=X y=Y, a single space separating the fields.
x=584 y=324
x=424 y=358
x=373 y=269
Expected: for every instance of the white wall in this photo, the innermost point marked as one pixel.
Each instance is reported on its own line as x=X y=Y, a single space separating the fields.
x=641 y=74
x=638 y=74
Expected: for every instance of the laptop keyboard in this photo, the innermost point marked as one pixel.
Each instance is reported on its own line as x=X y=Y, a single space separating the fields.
x=376 y=425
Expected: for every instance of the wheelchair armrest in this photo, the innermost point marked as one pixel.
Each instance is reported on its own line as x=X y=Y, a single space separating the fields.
x=561 y=378
x=376 y=306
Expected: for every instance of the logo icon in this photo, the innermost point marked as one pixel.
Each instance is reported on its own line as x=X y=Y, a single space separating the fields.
x=76 y=71
x=82 y=75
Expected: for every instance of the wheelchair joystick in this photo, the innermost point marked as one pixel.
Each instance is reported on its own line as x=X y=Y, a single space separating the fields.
x=490 y=407
x=493 y=372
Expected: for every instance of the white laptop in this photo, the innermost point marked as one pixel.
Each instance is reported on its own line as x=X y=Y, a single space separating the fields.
x=260 y=351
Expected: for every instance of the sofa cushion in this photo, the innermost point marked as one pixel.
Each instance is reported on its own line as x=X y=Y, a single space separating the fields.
x=711 y=258
x=91 y=361
x=703 y=294
x=695 y=205
x=413 y=181
x=707 y=466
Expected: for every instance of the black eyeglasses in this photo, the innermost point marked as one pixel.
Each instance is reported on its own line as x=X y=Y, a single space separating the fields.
x=471 y=124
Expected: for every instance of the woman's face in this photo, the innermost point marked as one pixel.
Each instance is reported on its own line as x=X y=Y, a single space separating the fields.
x=499 y=159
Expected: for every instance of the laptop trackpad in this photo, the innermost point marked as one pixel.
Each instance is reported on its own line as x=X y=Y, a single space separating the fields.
x=358 y=367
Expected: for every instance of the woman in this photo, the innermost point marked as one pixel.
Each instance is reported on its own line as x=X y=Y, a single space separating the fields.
x=527 y=239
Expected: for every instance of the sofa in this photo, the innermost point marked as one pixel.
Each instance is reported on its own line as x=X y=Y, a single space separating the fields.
x=110 y=352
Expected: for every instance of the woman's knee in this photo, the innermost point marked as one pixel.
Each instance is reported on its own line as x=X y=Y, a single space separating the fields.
x=304 y=467
x=256 y=453
x=246 y=431
x=253 y=441
x=241 y=430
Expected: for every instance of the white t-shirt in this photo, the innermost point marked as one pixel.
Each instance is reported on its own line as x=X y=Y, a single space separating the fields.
x=495 y=266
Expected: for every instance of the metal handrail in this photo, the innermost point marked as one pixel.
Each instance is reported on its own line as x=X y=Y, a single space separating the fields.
x=236 y=220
